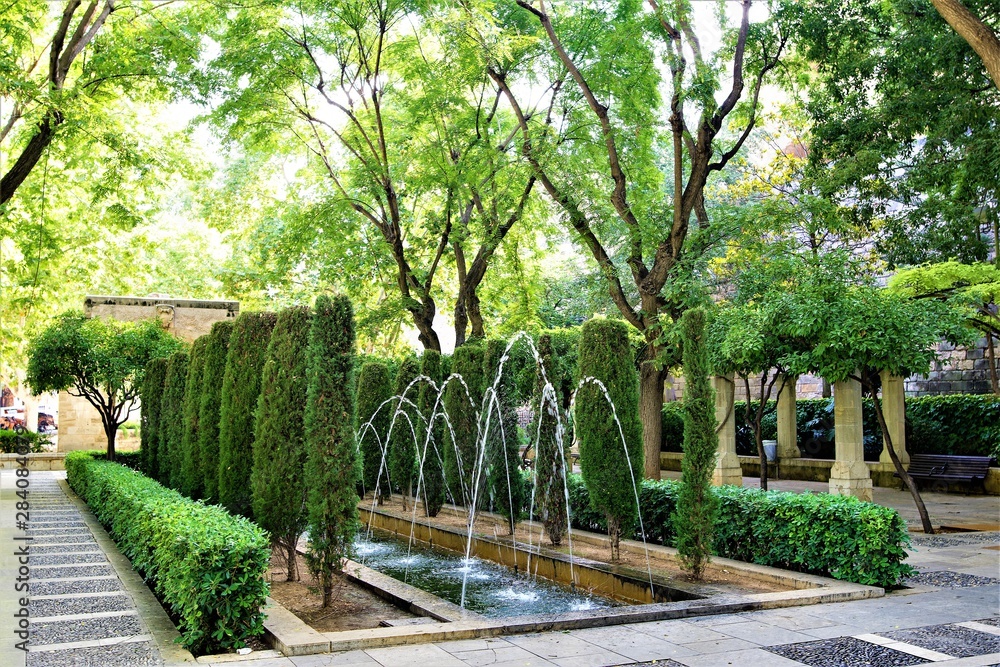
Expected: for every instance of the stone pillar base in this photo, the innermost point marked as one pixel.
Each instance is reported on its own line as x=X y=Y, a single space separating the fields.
x=851 y=479
x=727 y=470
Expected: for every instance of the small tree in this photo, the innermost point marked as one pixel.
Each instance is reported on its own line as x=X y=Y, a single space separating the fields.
x=611 y=468
x=403 y=441
x=278 y=479
x=694 y=517
x=550 y=459
x=332 y=462
x=172 y=420
x=462 y=452
x=208 y=412
x=191 y=476
x=430 y=474
x=374 y=389
x=240 y=391
x=502 y=441
x=150 y=398
x=101 y=361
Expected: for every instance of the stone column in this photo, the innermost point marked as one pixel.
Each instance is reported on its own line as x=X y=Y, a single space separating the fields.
x=31 y=412
x=895 y=414
x=727 y=464
x=849 y=475
x=788 y=436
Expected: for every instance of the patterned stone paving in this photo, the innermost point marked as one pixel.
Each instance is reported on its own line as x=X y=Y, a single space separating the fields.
x=845 y=652
x=948 y=639
x=949 y=579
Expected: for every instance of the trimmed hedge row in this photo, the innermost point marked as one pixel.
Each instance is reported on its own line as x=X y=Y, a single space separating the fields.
x=205 y=565
x=835 y=536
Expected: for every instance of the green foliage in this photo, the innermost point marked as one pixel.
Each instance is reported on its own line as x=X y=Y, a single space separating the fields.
x=565 y=345
x=191 y=479
x=610 y=459
x=332 y=462
x=462 y=400
x=277 y=482
x=11 y=440
x=171 y=426
x=208 y=411
x=550 y=456
x=205 y=565
x=150 y=399
x=963 y=424
x=374 y=390
x=240 y=392
x=502 y=456
x=431 y=480
x=696 y=511
x=406 y=430
x=834 y=536
x=128 y=459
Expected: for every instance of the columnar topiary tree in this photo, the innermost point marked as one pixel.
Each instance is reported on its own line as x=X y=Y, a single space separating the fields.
x=150 y=399
x=240 y=390
x=550 y=459
x=402 y=444
x=430 y=475
x=171 y=430
x=610 y=468
x=208 y=412
x=191 y=482
x=461 y=452
x=374 y=389
x=694 y=517
x=332 y=462
x=278 y=479
x=502 y=442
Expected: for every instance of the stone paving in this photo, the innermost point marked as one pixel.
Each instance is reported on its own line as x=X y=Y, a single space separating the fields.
x=949 y=614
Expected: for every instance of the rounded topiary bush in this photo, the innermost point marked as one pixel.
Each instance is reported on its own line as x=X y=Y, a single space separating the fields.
x=213 y=372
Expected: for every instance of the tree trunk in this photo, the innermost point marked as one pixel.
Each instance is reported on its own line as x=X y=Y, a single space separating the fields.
x=475 y=314
x=292 y=557
x=991 y=355
x=650 y=409
x=111 y=431
x=423 y=318
x=30 y=156
x=979 y=36
x=327 y=590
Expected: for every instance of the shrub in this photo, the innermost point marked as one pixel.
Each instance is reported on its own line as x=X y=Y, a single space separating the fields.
x=10 y=440
x=277 y=482
x=128 y=459
x=610 y=459
x=171 y=426
x=191 y=481
x=240 y=391
x=461 y=452
x=829 y=535
x=405 y=429
x=374 y=417
x=502 y=443
x=964 y=424
x=695 y=515
x=210 y=402
x=150 y=400
x=332 y=462
x=430 y=475
x=565 y=345
x=550 y=457
x=206 y=566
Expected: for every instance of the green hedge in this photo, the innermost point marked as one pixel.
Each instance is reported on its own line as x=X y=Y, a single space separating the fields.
x=131 y=460
x=204 y=564
x=34 y=441
x=835 y=536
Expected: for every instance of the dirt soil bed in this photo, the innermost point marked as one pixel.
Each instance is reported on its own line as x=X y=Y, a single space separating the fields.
x=353 y=608
x=494 y=526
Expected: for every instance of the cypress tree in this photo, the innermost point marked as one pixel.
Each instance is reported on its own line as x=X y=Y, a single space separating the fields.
x=461 y=452
x=240 y=390
x=332 y=461
x=208 y=411
x=502 y=441
x=605 y=354
x=191 y=478
x=278 y=479
x=150 y=401
x=550 y=459
x=374 y=389
x=697 y=507
x=430 y=454
x=171 y=427
x=402 y=442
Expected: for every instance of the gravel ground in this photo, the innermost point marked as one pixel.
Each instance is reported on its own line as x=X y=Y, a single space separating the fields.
x=133 y=654
x=990 y=621
x=58 y=523
x=63 y=607
x=63 y=547
x=99 y=570
x=949 y=579
x=954 y=539
x=69 y=555
x=845 y=652
x=49 y=540
x=949 y=639
x=58 y=532
x=59 y=632
x=666 y=662
x=85 y=586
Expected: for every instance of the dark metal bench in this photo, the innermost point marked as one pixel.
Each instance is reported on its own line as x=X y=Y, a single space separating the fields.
x=945 y=468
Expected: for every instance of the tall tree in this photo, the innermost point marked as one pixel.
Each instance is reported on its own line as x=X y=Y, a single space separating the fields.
x=430 y=474
x=149 y=399
x=404 y=442
x=208 y=413
x=191 y=478
x=975 y=31
x=374 y=418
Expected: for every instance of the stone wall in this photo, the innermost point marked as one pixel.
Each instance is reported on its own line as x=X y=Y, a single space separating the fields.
x=79 y=423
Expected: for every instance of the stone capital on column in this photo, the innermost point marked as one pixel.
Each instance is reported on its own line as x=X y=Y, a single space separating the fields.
x=727 y=463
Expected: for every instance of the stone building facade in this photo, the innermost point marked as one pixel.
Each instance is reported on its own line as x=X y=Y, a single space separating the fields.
x=79 y=423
